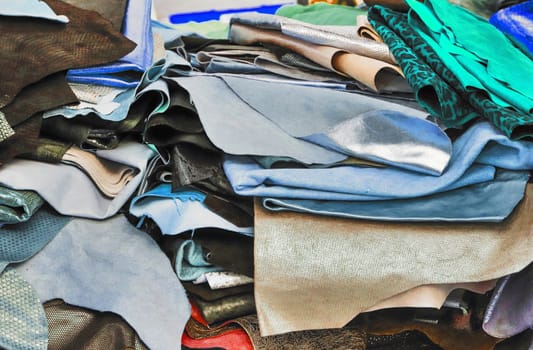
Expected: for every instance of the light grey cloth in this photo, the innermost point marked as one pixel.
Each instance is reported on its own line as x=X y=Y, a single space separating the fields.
x=255 y=113
x=111 y=266
x=70 y=191
x=23 y=324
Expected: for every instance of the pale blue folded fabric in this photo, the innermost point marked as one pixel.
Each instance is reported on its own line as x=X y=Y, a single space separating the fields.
x=23 y=324
x=136 y=27
x=180 y=211
x=357 y=183
x=111 y=266
x=490 y=201
x=30 y=8
x=190 y=262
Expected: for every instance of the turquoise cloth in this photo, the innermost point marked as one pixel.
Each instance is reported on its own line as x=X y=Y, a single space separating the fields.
x=322 y=14
x=479 y=54
x=23 y=324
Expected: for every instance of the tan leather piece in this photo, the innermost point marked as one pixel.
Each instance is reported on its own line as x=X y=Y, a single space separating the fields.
x=371 y=72
x=365 y=29
x=314 y=272
x=110 y=177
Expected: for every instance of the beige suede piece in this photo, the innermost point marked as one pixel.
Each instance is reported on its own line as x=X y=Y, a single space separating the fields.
x=315 y=272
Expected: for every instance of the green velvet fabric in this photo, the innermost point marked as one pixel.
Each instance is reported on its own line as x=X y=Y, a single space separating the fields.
x=322 y=13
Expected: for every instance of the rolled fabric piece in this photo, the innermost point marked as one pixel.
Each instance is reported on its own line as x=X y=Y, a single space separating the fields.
x=18 y=206
x=22 y=318
x=517 y=22
x=390 y=258
x=375 y=74
x=508 y=312
x=70 y=191
x=227 y=308
x=479 y=202
x=76 y=267
x=179 y=211
x=87 y=31
x=72 y=326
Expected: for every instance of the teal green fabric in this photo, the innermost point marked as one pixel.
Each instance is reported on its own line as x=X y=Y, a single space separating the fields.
x=322 y=13
x=436 y=87
x=466 y=43
x=208 y=29
x=18 y=206
x=23 y=324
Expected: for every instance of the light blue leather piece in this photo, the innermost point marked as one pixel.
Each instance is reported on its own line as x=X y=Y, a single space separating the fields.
x=111 y=266
x=490 y=201
x=30 y=8
x=23 y=324
x=293 y=118
x=180 y=211
x=356 y=183
x=190 y=262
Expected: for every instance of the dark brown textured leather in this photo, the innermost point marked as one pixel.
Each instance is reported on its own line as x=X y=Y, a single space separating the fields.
x=25 y=140
x=32 y=50
x=72 y=327
x=338 y=339
x=49 y=92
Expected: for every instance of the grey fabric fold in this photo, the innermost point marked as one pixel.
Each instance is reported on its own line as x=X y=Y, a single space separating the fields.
x=18 y=206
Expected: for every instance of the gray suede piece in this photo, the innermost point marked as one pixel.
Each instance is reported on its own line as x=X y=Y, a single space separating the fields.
x=111 y=266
